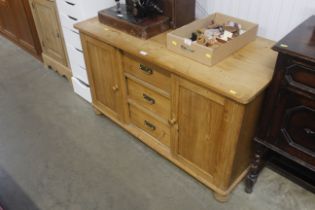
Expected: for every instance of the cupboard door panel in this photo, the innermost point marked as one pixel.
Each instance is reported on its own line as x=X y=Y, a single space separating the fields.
x=205 y=130
x=47 y=23
x=199 y=122
x=200 y=118
x=24 y=26
x=17 y=23
x=103 y=65
x=293 y=130
x=8 y=22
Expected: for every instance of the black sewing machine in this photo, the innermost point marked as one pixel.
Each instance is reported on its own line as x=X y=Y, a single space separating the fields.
x=144 y=8
x=147 y=18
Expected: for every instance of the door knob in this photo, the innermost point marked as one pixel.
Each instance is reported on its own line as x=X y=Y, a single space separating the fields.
x=115 y=88
x=172 y=121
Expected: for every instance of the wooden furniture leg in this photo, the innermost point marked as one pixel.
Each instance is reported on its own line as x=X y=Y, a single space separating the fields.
x=255 y=168
x=221 y=198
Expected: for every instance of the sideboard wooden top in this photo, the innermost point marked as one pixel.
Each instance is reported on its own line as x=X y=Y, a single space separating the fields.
x=240 y=77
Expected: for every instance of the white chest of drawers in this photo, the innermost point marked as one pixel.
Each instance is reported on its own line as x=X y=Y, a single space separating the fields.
x=72 y=12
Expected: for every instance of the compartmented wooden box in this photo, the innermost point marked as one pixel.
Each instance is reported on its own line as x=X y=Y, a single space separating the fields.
x=179 y=40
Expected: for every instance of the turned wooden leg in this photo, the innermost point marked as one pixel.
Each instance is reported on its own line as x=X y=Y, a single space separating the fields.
x=97 y=112
x=221 y=198
x=255 y=168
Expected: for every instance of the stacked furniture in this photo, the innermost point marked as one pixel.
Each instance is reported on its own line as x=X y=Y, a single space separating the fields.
x=17 y=24
x=70 y=13
x=49 y=30
x=200 y=118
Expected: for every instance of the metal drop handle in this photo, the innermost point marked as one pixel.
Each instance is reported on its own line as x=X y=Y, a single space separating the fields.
x=149 y=125
x=148 y=99
x=146 y=69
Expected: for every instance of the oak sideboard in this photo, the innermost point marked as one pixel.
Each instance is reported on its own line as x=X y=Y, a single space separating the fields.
x=200 y=118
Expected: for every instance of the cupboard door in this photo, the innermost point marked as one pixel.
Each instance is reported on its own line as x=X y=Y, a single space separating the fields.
x=103 y=65
x=8 y=21
x=25 y=23
x=47 y=24
x=205 y=130
x=200 y=119
x=17 y=23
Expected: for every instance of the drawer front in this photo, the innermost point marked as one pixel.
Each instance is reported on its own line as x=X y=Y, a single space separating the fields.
x=82 y=90
x=293 y=127
x=72 y=37
x=80 y=73
x=156 y=77
x=71 y=8
x=301 y=76
x=68 y=21
x=150 y=125
x=76 y=56
x=149 y=99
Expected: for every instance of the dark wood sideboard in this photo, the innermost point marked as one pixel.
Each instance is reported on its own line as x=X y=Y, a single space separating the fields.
x=285 y=138
x=17 y=24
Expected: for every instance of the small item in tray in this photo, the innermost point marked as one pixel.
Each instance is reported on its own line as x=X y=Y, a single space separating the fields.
x=210 y=33
x=231 y=29
x=201 y=39
x=234 y=24
x=216 y=34
x=212 y=42
x=194 y=36
x=226 y=36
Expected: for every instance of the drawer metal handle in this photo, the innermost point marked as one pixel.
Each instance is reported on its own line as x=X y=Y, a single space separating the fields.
x=72 y=18
x=148 y=99
x=149 y=125
x=81 y=51
x=146 y=69
x=309 y=131
x=70 y=3
x=75 y=32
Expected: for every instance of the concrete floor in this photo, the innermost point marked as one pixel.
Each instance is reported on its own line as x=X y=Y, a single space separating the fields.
x=56 y=154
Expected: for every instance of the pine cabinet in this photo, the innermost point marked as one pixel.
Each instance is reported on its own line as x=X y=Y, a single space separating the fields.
x=48 y=27
x=202 y=119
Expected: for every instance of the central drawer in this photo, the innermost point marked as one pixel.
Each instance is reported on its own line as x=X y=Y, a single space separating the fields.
x=150 y=125
x=152 y=75
x=149 y=99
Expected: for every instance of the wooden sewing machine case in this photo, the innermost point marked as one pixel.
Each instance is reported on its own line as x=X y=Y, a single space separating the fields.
x=176 y=14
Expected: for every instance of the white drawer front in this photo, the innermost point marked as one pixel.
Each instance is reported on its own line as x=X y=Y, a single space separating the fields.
x=81 y=89
x=75 y=56
x=80 y=73
x=68 y=21
x=72 y=37
x=70 y=8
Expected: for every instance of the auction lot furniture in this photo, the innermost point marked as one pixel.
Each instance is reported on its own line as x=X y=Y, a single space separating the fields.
x=286 y=133
x=200 y=118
